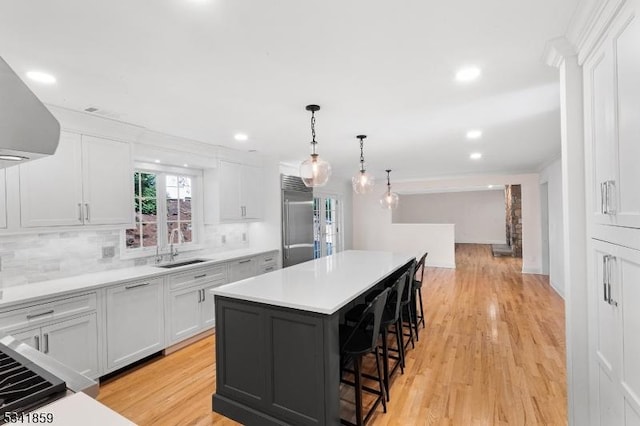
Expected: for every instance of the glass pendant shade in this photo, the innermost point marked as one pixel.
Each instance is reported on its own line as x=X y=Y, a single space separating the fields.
x=389 y=200
x=314 y=171
x=363 y=182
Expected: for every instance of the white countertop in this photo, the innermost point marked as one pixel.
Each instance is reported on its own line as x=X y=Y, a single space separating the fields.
x=80 y=410
x=28 y=292
x=322 y=285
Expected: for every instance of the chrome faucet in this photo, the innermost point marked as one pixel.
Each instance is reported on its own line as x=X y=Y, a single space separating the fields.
x=173 y=253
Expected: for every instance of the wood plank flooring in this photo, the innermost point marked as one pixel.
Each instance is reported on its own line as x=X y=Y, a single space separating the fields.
x=492 y=353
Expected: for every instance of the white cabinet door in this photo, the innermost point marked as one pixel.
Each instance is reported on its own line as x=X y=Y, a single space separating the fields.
x=74 y=343
x=229 y=177
x=107 y=171
x=241 y=269
x=3 y=199
x=625 y=197
x=135 y=322
x=617 y=291
x=207 y=308
x=51 y=187
x=251 y=192
x=184 y=313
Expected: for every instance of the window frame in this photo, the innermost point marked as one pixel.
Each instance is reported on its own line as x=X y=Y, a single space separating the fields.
x=197 y=202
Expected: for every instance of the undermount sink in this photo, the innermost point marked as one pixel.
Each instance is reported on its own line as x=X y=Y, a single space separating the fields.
x=183 y=263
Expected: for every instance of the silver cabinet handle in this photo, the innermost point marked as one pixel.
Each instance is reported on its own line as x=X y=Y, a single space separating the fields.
x=46 y=343
x=611 y=185
x=269 y=259
x=204 y=296
x=32 y=316
x=199 y=296
x=37 y=341
x=244 y=261
x=129 y=287
x=604 y=278
x=199 y=276
x=603 y=196
x=611 y=301
x=87 y=215
x=270 y=268
x=80 y=212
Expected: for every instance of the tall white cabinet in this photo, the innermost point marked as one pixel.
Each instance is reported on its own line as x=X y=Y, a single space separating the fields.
x=3 y=199
x=87 y=182
x=612 y=142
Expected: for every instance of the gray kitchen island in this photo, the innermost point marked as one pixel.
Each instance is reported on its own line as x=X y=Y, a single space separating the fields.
x=277 y=337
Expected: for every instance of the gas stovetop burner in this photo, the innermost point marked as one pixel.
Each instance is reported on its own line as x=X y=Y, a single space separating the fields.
x=23 y=385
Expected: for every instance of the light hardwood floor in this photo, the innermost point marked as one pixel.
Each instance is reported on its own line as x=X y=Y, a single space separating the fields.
x=492 y=353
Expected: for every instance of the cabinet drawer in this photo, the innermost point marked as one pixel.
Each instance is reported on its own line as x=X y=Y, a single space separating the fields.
x=268 y=259
x=197 y=276
x=267 y=268
x=46 y=312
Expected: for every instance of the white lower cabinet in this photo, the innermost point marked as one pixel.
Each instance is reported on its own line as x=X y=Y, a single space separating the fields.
x=190 y=306
x=135 y=321
x=615 y=297
x=242 y=269
x=73 y=342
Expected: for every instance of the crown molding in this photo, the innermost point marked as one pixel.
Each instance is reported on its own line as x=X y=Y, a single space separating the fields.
x=589 y=24
x=556 y=50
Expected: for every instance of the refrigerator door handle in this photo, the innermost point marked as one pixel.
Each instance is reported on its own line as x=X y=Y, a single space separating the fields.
x=286 y=229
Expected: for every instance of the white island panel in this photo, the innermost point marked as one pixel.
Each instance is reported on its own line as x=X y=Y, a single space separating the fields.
x=322 y=285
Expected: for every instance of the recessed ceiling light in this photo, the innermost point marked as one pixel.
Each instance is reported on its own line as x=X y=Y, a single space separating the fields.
x=475 y=156
x=474 y=134
x=490 y=186
x=185 y=165
x=41 y=77
x=467 y=74
x=241 y=137
x=157 y=161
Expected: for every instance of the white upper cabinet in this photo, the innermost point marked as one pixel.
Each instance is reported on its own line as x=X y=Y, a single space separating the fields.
x=3 y=199
x=51 y=187
x=233 y=193
x=107 y=181
x=612 y=108
x=88 y=181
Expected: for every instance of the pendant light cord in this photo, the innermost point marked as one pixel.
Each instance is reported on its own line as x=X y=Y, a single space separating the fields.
x=388 y=182
x=362 y=155
x=313 y=133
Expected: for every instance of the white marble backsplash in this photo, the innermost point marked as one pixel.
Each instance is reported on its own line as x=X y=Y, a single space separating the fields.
x=30 y=258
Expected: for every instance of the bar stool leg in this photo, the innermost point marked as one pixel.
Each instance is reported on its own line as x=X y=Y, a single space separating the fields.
x=399 y=343
x=357 y=364
x=413 y=345
x=383 y=393
x=385 y=358
x=421 y=308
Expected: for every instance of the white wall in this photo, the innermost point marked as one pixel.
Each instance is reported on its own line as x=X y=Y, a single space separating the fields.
x=373 y=230
x=552 y=175
x=478 y=216
x=368 y=219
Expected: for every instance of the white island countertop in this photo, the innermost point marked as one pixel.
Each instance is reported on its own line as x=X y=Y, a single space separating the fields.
x=322 y=285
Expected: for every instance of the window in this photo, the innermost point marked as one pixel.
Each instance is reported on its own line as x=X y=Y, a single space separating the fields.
x=163 y=210
x=326 y=226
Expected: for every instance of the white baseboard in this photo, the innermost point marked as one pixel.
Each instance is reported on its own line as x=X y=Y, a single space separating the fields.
x=482 y=242
x=555 y=288
x=535 y=271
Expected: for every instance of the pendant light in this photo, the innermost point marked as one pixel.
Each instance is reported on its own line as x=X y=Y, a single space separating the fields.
x=314 y=171
x=389 y=200
x=362 y=181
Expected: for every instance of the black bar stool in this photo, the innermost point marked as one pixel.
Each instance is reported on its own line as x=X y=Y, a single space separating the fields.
x=355 y=343
x=390 y=316
x=407 y=299
x=417 y=285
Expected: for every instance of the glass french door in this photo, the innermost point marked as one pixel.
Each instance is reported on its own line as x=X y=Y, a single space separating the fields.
x=327 y=225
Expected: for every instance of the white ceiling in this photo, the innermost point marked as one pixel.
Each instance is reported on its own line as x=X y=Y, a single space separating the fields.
x=206 y=69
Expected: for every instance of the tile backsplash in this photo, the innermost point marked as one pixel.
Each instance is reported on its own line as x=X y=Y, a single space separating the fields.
x=31 y=258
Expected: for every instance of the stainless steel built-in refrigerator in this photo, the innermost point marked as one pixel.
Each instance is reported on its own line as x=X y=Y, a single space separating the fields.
x=297 y=221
